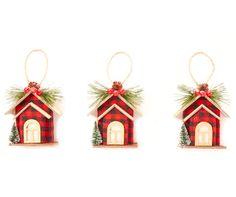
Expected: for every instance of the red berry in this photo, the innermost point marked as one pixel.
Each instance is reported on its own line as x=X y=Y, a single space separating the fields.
x=39 y=92
x=116 y=93
x=202 y=93
x=196 y=92
x=33 y=90
x=122 y=91
x=110 y=91
x=27 y=89
x=209 y=93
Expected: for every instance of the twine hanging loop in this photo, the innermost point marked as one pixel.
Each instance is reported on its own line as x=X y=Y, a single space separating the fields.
x=26 y=64
x=190 y=67
x=130 y=65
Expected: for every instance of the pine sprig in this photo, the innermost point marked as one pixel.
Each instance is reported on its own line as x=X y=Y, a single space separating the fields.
x=133 y=96
x=187 y=95
x=98 y=92
x=51 y=95
x=14 y=94
x=219 y=95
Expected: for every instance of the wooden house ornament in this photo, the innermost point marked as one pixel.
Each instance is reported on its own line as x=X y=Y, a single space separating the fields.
x=201 y=113
x=34 y=112
x=115 y=114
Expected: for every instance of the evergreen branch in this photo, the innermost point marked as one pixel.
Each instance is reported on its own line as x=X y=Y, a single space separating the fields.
x=14 y=94
x=98 y=92
x=51 y=95
x=187 y=95
x=133 y=96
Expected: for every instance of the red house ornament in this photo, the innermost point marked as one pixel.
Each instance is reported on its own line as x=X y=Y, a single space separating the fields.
x=114 y=109
x=201 y=112
x=34 y=110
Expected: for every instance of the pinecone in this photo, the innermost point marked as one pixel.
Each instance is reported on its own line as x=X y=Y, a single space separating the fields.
x=34 y=85
x=203 y=87
x=117 y=85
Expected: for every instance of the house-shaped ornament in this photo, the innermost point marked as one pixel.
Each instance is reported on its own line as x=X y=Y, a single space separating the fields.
x=115 y=120
x=34 y=119
x=201 y=118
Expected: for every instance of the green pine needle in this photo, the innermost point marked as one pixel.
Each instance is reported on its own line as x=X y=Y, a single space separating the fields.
x=133 y=96
x=51 y=95
x=14 y=94
x=187 y=95
x=99 y=93
x=219 y=95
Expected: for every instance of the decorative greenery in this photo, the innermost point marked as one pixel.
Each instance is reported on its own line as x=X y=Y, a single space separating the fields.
x=14 y=137
x=184 y=137
x=99 y=93
x=49 y=95
x=97 y=138
x=218 y=95
x=15 y=94
x=187 y=95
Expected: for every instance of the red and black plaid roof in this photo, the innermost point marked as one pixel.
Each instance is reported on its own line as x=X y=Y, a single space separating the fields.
x=197 y=103
x=114 y=100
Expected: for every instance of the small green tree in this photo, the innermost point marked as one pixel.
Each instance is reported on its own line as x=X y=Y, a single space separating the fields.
x=14 y=137
x=184 y=137
x=97 y=138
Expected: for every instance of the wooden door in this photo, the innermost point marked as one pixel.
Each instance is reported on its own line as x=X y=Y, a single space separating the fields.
x=32 y=131
x=203 y=134
x=115 y=133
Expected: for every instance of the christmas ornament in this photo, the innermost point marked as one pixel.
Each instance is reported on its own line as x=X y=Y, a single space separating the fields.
x=201 y=111
x=114 y=108
x=33 y=108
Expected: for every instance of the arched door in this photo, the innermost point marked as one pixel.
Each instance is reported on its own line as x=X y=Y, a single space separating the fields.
x=203 y=134
x=115 y=133
x=32 y=132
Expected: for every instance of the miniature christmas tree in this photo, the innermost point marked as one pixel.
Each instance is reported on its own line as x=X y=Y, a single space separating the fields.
x=14 y=137
x=184 y=137
x=97 y=138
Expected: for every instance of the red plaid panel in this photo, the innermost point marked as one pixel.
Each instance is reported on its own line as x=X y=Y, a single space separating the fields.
x=197 y=103
x=47 y=125
x=115 y=100
x=203 y=116
x=116 y=115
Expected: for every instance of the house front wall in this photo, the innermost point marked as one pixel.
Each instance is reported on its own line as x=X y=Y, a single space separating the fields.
x=46 y=125
x=116 y=115
x=203 y=116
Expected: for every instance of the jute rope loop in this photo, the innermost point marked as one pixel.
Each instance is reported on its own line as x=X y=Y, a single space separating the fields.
x=46 y=65
x=130 y=65
x=190 y=67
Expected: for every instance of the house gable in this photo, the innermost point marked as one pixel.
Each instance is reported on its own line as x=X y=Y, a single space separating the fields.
x=35 y=107
x=119 y=102
x=118 y=108
x=201 y=101
x=31 y=97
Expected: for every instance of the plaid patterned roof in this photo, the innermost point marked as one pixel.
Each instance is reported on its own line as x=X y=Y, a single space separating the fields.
x=115 y=100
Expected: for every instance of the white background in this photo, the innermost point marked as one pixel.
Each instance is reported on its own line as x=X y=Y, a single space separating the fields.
x=79 y=38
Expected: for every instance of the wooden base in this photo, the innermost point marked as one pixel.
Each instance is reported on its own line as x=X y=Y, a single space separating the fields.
x=117 y=146
x=205 y=147
x=35 y=144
